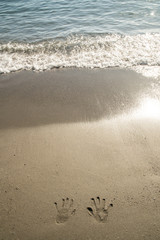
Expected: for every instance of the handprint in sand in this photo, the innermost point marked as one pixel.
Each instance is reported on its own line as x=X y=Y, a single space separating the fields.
x=66 y=210
x=99 y=212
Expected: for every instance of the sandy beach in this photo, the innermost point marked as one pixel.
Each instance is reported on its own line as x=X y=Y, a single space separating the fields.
x=79 y=134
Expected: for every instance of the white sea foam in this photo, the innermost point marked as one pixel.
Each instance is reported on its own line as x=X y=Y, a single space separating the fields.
x=140 y=52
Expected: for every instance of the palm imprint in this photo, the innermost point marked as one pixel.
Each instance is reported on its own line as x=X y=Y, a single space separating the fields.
x=66 y=210
x=100 y=212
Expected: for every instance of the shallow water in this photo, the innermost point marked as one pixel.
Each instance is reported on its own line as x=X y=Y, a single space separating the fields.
x=40 y=20
x=41 y=35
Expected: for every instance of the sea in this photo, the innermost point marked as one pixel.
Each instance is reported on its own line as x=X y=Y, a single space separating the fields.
x=46 y=34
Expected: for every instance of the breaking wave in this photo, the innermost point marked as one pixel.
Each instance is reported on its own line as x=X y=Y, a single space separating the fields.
x=137 y=52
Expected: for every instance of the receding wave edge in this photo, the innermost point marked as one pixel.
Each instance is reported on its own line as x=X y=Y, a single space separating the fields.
x=90 y=51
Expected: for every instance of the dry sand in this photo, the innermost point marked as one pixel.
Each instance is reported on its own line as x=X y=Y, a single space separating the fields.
x=79 y=134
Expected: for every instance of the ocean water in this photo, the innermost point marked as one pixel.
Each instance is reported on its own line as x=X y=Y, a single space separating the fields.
x=45 y=34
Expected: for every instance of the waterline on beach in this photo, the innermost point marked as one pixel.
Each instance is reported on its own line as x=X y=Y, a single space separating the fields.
x=139 y=52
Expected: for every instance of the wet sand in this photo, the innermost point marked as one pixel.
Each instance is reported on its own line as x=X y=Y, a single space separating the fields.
x=79 y=134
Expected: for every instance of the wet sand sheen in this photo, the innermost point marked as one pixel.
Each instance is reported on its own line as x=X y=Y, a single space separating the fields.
x=67 y=96
x=72 y=134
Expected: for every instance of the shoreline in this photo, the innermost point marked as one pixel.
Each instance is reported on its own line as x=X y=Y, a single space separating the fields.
x=75 y=133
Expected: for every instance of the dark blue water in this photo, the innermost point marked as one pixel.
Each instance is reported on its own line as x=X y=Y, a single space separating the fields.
x=38 y=34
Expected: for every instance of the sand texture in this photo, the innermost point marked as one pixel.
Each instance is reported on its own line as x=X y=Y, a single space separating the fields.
x=79 y=155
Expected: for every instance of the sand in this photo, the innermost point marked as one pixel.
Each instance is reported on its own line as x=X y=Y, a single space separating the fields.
x=79 y=134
